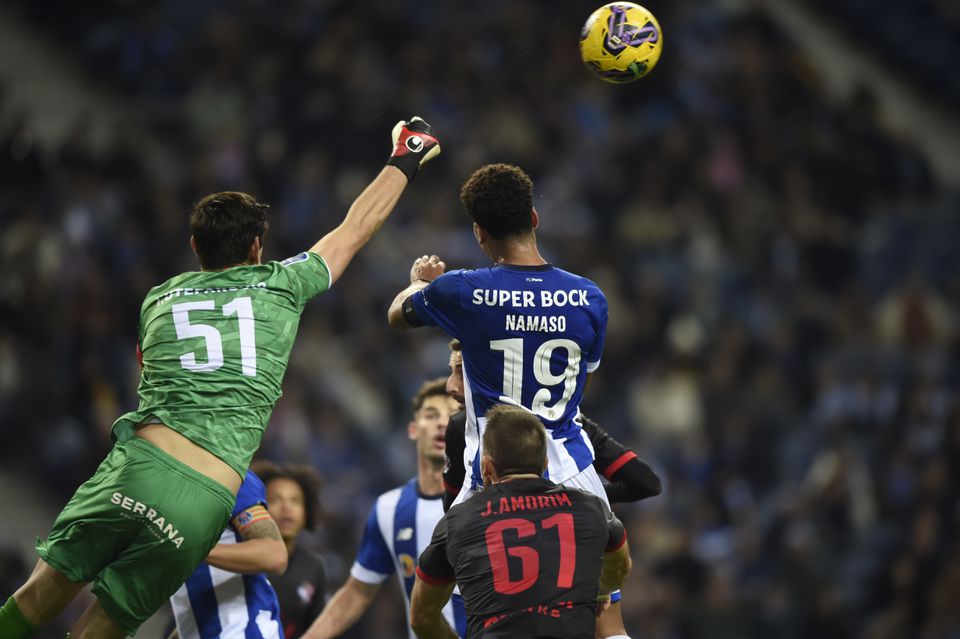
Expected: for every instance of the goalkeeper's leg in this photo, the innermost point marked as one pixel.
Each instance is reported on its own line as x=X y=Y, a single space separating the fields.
x=44 y=596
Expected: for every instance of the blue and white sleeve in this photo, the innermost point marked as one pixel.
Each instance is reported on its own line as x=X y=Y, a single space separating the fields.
x=596 y=351
x=252 y=492
x=374 y=562
x=439 y=304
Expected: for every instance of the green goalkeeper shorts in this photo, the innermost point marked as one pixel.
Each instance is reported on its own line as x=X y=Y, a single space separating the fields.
x=137 y=529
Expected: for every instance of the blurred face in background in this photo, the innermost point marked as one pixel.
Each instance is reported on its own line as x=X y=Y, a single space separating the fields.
x=455 y=381
x=287 y=506
x=429 y=426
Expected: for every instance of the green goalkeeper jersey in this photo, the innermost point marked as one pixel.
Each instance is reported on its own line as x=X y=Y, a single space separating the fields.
x=215 y=346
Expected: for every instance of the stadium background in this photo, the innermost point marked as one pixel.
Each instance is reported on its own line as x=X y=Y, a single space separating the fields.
x=777 y=243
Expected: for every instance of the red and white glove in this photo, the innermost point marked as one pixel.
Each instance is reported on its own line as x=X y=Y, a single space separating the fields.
x=414 y=144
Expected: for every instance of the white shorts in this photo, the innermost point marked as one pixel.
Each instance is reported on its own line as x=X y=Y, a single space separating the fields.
x=589 y=481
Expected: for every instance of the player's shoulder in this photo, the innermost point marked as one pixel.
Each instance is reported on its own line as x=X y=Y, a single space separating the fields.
x=579 y=280
x=458 y=512
x=577 y=496
x=312 y=558
x=389 y=498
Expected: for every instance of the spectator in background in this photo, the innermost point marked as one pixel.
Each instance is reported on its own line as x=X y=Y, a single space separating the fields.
x=293 y=501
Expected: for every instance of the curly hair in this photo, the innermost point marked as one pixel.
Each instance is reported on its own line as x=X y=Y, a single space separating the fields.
x=499 y=198
x=224 y=226
x=305 y=476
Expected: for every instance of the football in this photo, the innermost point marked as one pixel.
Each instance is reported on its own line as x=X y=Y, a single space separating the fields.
x=621 y=42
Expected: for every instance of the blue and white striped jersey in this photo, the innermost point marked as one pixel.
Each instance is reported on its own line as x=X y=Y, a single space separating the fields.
x=398 y=528
x=216 y=604
x=529 y=335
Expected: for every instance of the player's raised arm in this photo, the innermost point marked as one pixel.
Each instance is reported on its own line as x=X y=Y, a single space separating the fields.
x=425 y=269
x=413 y=145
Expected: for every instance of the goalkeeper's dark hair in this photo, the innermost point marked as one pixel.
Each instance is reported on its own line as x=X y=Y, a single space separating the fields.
x=499 y=198
x=305 y=476
x=515 y=441
x=224 y=226
x=431 y=388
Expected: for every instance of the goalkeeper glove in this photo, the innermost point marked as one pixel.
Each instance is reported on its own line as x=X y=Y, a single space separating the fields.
x=414 y=144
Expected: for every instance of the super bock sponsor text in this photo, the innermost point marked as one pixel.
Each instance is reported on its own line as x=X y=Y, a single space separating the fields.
x=532 y=299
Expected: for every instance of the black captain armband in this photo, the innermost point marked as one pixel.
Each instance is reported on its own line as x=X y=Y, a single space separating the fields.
x=410 y=314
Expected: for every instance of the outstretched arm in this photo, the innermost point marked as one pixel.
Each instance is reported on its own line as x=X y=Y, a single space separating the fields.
x=344 y=608
x=633 y=481
x=631 y=478
x=413 y=145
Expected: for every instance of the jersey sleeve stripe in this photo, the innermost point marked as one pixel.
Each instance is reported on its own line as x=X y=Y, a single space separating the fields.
x=618 y=463
x=592 y=366
x=618 y=546
x=433 y=581
x=327 y=268
x=365 y=575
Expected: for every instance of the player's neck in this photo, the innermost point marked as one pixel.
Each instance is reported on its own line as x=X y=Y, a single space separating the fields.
x=518 y=253
x=507 y=478
x=250 y=262
x=429 y=477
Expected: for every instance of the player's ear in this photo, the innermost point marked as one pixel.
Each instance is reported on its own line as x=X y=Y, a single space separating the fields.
x=534 y=218
x=256 y=250
x=412 y=430
x=193 y=245
x=487 y=470
x=479 y=233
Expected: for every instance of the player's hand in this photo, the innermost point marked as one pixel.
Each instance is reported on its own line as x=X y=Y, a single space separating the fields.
x=414 y=144
x=427 y=268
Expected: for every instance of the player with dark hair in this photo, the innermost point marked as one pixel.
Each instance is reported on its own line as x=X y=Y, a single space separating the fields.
x=530 y=556
x=293 y=499
x=400 y=524
x=213 y=346
x=228 y=596
x=531 y=333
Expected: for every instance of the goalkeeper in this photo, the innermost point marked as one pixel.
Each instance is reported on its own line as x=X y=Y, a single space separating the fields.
x=213 y=346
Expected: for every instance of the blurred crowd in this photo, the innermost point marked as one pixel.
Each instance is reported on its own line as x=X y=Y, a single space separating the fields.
x=780 y=270
x=885 y=26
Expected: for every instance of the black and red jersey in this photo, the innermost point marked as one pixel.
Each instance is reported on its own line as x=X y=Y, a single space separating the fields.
x=527 y=556
x=631 y=479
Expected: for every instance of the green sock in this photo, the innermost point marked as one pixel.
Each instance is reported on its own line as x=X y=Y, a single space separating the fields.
x=13 y=625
